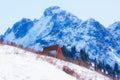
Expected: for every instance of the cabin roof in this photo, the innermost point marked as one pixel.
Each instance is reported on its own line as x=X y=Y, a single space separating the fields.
x=54 y=47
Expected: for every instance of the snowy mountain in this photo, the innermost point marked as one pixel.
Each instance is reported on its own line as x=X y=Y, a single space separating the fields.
x=58 y=26
x=114 y=29
x=18 y=64
x=53 y=24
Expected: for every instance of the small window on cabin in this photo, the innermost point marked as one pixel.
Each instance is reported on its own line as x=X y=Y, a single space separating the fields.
x=53 y=52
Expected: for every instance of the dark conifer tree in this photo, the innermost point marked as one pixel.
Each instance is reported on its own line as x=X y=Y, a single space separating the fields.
x=96 y=64
x=116 y=69
x=84 y=56
x=64 y=50
x=110 y=71
x=73 y=51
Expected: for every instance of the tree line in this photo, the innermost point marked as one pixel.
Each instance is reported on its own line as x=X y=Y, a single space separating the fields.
x=98 y=65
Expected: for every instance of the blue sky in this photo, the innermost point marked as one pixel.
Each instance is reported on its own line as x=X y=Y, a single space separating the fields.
x=104 y=11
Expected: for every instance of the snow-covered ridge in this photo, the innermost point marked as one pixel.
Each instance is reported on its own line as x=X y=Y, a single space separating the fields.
x=17 y=64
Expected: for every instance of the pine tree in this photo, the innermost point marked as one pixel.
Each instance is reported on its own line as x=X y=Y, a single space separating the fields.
x=100 y=65
x=73 y=51
x=84 y=56
x=96 y=64
x=65 y=51
x=116 y=69
x=110 y=71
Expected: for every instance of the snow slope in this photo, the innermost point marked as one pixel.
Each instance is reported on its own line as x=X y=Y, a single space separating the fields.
x=18 y=64
x=25 y=66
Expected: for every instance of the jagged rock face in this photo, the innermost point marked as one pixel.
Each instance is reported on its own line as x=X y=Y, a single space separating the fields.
x=114 y=29
x=58 y=26
x=97 y=39
x=20 y=28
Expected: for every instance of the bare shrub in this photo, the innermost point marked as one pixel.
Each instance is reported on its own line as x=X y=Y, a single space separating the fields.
x=68 y=70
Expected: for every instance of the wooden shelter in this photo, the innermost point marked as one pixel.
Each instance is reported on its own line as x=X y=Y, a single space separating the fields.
x=54 y=50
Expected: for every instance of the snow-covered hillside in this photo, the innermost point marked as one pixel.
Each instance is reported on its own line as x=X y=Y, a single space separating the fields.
x=18 y=64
